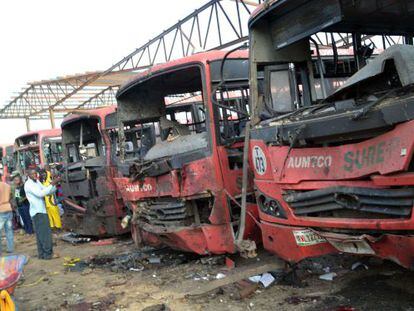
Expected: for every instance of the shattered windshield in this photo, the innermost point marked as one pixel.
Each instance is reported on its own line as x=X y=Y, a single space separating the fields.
x=334 y=59
x=10 y=158
x=29 y=158
x=169 y=115
x=82 y=140
x=52 y=149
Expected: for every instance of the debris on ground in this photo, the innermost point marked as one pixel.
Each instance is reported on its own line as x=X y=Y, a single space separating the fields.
x=220 y=276
x=117 y=263
x=104 y=242
x=240 y=289
x=139 y=269
x=158 y=307
x=213 y=260
x=115 y=283
x=197 y=276
x=74 y=238
x=254 y=267
x=357 y=265
x=74 y=264
x=154 y=260
x=102 y=304
x=295 y=300
x=70 y=262
x=388 y=285
x=266 y=279
x=328 y=276
x=138 y=261
x=230 y=264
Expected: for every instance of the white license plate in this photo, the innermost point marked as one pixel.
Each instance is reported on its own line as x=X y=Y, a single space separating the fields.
x=307 y=237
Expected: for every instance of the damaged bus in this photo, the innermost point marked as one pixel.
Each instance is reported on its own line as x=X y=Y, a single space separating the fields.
x=332 y=127
x=6 y=161
x=90 y=153
x=38 y=148
x=184 y=190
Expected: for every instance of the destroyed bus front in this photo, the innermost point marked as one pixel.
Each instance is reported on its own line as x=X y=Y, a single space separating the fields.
x=92 y=206
x=185 y=188
x=332 y=141
x=38 y=148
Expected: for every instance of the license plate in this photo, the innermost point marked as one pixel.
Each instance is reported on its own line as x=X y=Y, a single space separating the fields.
x=307 y=237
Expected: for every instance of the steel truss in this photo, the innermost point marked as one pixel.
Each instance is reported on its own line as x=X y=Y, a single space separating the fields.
x=219 y=24
x=345 y=40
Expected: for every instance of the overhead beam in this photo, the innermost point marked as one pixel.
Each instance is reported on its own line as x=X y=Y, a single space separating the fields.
x=216 y=25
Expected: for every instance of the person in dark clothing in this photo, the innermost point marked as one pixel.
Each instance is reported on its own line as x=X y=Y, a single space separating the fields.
x=22 y=204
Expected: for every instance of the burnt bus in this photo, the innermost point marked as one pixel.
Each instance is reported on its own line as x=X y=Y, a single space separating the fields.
x=6 y=161
x=92 y=204
x=185 y=191
x=332 y=133
x=38 y=148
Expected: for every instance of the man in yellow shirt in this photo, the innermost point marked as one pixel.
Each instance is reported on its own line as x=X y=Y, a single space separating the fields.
x=50 y=200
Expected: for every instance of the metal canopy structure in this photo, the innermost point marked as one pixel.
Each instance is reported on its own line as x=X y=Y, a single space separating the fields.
x=219 y=24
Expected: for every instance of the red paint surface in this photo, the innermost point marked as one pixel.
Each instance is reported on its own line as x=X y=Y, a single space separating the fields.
x=208 y=177
x=387 y=169
x=280 y=240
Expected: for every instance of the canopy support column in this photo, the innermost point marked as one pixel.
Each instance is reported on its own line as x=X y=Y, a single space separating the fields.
x=52 y=118
x=28 y=124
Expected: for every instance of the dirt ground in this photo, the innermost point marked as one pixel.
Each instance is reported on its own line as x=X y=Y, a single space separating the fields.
x=100 y=283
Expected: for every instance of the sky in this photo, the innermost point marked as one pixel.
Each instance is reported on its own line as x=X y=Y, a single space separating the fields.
x=44 y=39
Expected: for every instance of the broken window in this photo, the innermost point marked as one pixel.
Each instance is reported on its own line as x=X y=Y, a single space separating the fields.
x=52 y=149
x=29 y=158
x=163 y=115
x=82 y=139
x=233 y=113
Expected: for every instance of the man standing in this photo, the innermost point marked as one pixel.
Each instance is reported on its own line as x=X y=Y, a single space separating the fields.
x=35 y=193
x=6 y=215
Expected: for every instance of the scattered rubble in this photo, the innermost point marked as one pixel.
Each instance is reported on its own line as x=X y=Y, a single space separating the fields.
x=295 y=300
x=357 y=265
x=328 y=276
x=159 y=307
x=74 y=238
x=100 y=305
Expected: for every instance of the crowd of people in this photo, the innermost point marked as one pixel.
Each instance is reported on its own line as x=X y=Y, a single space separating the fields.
x=32 y=204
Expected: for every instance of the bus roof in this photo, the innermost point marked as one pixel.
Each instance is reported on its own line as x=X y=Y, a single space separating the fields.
x=293 y=20
x=100 y=113
x=41 y=134
x=203 y=58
